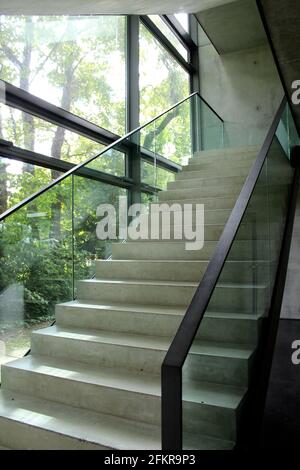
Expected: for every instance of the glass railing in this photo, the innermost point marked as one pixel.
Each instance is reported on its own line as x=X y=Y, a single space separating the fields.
x=50 y=242
x=243 y=291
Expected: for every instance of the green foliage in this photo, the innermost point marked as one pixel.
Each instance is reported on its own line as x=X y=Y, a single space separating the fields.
x=77 y=63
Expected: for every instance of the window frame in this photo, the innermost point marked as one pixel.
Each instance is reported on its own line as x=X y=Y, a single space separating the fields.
x=27 y=102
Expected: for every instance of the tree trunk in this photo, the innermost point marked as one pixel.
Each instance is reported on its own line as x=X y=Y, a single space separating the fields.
x=28 y=120
x=3 y=178
x=56 y=150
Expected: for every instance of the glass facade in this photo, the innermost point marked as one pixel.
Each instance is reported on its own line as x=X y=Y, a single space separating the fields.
x=74 y=62
x=163 y=82
x=79 y=64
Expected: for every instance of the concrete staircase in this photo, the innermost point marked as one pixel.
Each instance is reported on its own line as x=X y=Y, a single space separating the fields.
x=92 y=381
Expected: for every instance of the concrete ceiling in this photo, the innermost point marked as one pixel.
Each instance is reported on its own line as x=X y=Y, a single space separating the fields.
x=110 y=7
x=233 y=26
x=283 y=20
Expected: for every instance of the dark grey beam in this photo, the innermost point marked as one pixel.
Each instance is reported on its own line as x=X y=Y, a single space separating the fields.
x=166 y=43
x=31 y=104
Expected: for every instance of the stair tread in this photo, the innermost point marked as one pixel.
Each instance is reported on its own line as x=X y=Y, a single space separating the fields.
x=160 y=343
x=156 y=309
x=153 y=282
x=105 y=430
x=212 y=394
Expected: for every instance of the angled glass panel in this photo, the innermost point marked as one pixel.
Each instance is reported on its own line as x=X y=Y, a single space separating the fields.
x=36 y=267
x=217 y=369
x=169 y=35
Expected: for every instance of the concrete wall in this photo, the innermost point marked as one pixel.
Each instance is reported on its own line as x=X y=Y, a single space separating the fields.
x=291 y=299
x=243 y=87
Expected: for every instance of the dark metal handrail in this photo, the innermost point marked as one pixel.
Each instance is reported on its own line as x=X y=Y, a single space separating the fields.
x=73 y=170
x=171 y=380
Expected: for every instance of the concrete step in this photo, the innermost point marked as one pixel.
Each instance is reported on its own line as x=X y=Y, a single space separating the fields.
x=208 y=408
x=165 y=210
x=208 y=171
x=242 y=250
x=165 y=230
x=159 y=250
x=209 y=181
x=28 y=423
x=261 y=191
x=199 y=193
x=213 y=166
x=230 y=297
x=156 y=320
x=227 y=160
x=207 y=361
x=231 y=152
x=178 y=270
x=210 y=202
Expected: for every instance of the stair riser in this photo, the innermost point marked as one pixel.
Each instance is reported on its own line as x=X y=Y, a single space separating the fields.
x=209 y=171
x=224 y=159
x=241 y=331
x=212 y=420
x=104 y=354
x=242 y=272
x=199 y=367
x=213 y=167
x=212 y=232
x=198 y=193
x=20 y=436
x=160 y=251
x=216 y=369
x=220 y=191
x=147 y=270
x=227 y=151
x=241 y=251
x=210 y=203
x=227 y=298
x=251 y=301
x=178 y=232
x=221 y=182
x=211 y=217
x=135 y=294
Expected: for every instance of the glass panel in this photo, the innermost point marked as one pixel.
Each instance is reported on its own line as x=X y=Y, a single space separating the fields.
x=169 y=35
x=19 y=180
x=240 y=300
x=36 y=268
x=168 y=85
x=183 y=19
x=170 y=135
x=283 y=131
x=112 y=161
x=211 y=127
x=88 y=195
x=155 y=176
x=293 y=133
x=37 y=135
x=55 y=239
x=74 y=62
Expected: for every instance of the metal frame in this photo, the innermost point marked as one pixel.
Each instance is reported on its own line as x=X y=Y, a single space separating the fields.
x=25 y=101
x=171 y=372
x=148 y=23
x=268 y=341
